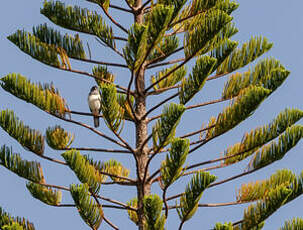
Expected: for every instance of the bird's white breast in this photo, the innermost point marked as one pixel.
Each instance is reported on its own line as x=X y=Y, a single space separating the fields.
x=94 y=103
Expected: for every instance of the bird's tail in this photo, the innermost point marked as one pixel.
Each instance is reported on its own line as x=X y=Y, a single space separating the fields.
x=96 y=122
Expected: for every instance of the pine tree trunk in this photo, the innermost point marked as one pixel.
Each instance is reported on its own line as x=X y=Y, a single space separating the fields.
x=141 y=133
x=142 y=155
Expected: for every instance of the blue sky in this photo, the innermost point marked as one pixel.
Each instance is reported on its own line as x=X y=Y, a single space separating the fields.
x=280 y=21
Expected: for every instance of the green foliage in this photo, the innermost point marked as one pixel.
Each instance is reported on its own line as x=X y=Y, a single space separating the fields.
x=190 y=199
x=81 y=20
x=260 y=189
x=257 y=213
x=85 y=172
x=241 y=108
x=176 y=4
x=126 y=105
x=171 y=80
x=111 y=166
x=45 y=97
x=294 y=224
x=131 y=50
x=261 y=135
x=45 y=194
x=57 y=138
x=38 y=50
x=12 y=226
x=222 y=51
x=88 y=209
x=268 y=73
x=203 y=67
x=30 y=170
x=9 y=221
x=199 y=6
x=103 y=3
x=111 y=109
x=203 y=30
x=101 y=73
x=133 y=214
x=156 y=24
x=165 y=47
x=165 y=128
x=228 y=6
x=171 y=168
x=152 y=205
x=276 y=150
x=249 y=52
x=72 y=45
x=30 y=139
x=226 y=226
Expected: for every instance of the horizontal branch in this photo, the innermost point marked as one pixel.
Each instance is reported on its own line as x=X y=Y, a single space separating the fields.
x=92 y=76
x=102 y=63
x=90 y=128
x=166 y=63
x=150 y=62
x=197 y=132
x=120 y=8
x=103 y=206
x=100 y=197
x=213 y=205
x=98 y=150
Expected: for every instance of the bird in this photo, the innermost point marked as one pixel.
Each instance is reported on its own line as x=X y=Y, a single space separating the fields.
x=94 y=103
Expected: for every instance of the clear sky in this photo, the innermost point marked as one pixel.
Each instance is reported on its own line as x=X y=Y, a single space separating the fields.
x=279 y=20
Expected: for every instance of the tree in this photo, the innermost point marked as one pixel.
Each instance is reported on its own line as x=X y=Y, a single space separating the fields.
x=207 y=46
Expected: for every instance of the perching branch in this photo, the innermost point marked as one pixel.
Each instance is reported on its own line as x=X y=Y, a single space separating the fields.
x=113 y=20
x=92 y=129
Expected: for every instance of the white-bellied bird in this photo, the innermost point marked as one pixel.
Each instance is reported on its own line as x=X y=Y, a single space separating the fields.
x=94 y=103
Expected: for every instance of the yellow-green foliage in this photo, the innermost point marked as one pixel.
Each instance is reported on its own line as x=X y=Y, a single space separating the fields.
x=30 y=170
x=203 y=29
x=58 y=138
x=133 y=214
x=240 y=108
x=45 y=97
x=165 y=128
x=102 y=75
x=171 y=80
x=81 y=20
x=190 y=199
x=261 y=135
x=157 y=23
x=85 y=172
x=88 y=208
x=276 y=150
x=30 y=139
x=110 y=107
x=294 y=224
x=249 y=52
x=45 y=194
x=268 y=73
x=255 y=214
x=9 y=221
x=171 y=168
x=196 y=80
x=152 y=205
x=72 y=45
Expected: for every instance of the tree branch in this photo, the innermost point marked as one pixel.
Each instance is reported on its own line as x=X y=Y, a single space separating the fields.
x=113 y=20
x=158 y=105
x=163 y=57
x=120 y=8
x=98 y=150
x=166 y=63
x=102 y=63
x=113 y=48
x=90 y=128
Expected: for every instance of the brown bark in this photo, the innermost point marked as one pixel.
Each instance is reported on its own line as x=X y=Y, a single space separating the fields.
x=143 y=188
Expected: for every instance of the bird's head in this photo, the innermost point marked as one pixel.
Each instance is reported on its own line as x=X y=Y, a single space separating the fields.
x=94 y=88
